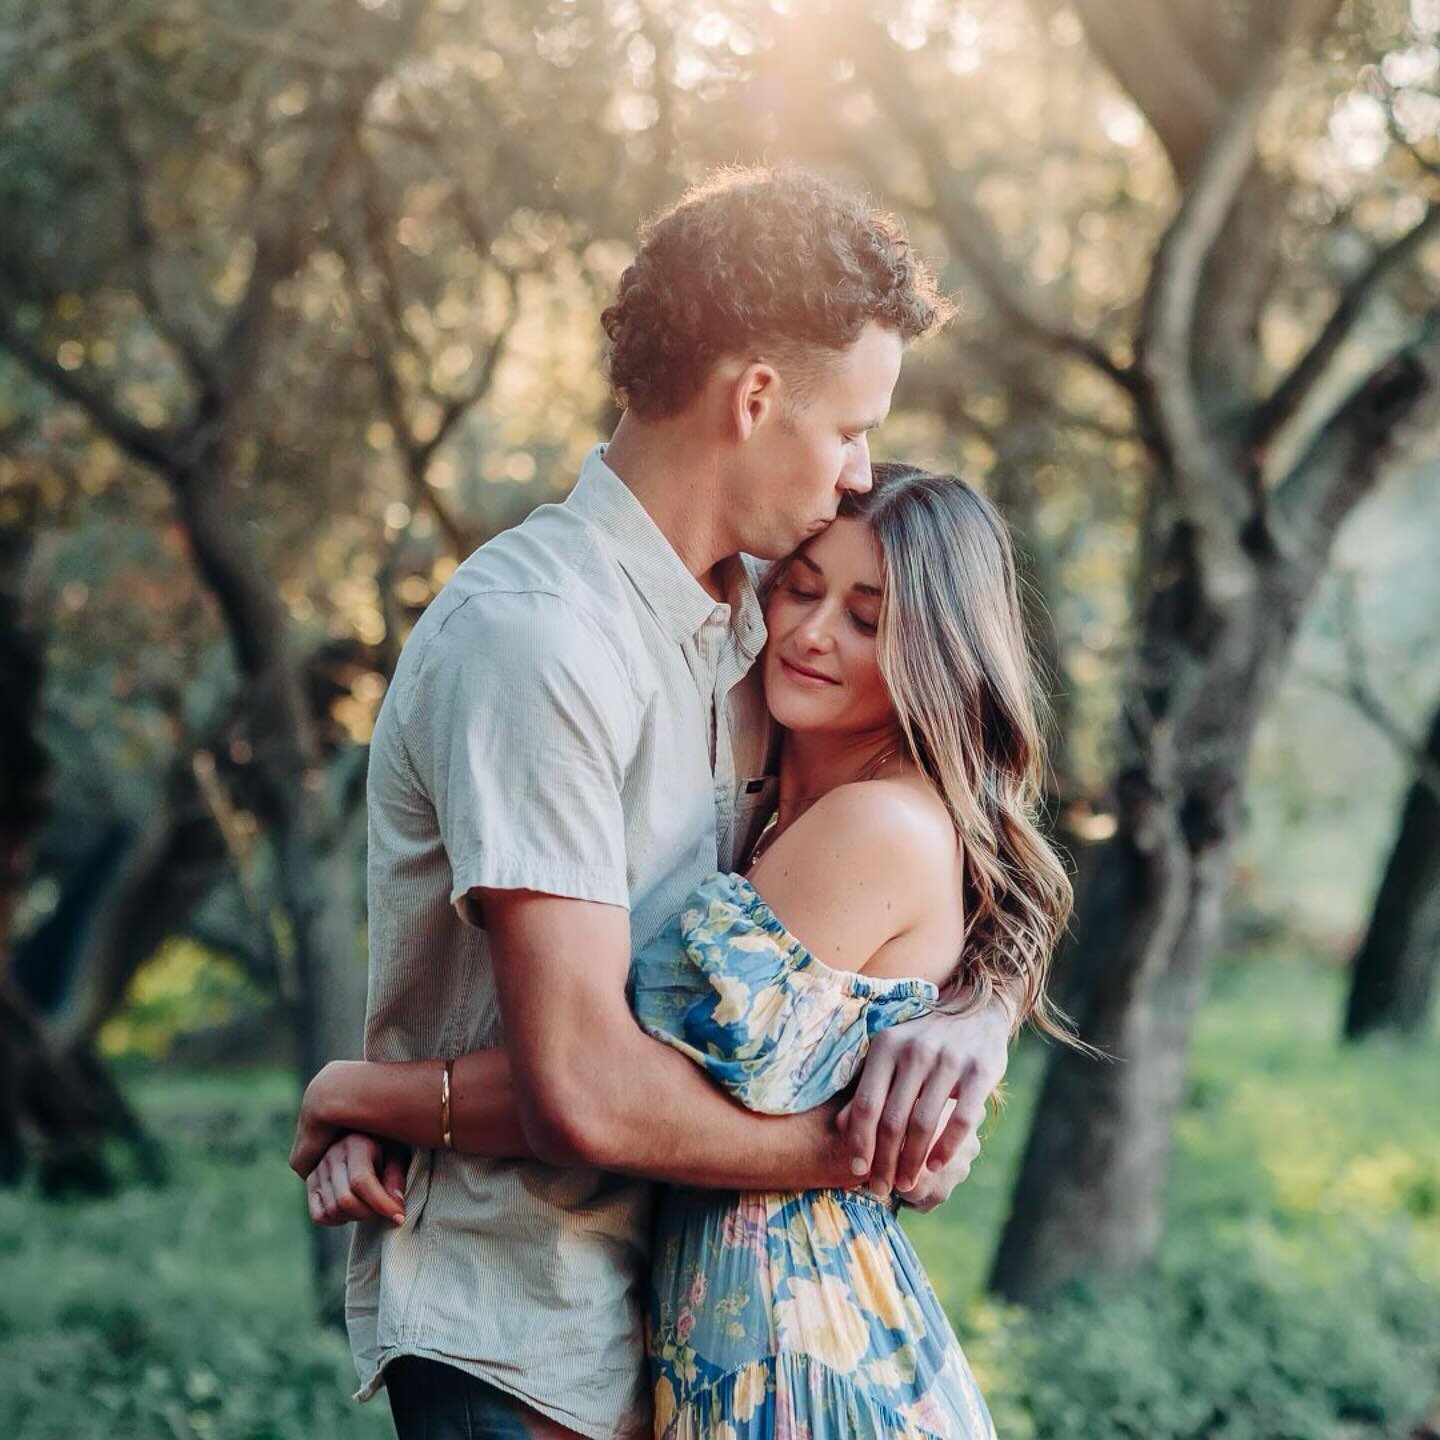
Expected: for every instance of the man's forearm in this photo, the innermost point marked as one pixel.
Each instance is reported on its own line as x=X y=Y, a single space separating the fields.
x=652 y=1114
x=643 y=1108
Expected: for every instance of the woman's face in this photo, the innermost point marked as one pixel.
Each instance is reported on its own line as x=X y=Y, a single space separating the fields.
x=821 y=669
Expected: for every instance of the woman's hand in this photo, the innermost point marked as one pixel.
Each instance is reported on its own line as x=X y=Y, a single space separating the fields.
x=911 y=1073
x=315 y=1132
x=358 y=1178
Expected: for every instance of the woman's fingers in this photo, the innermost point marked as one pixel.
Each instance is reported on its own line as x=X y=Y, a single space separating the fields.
x=349 y=1205
x=396 y=1165
x=368 y=1190
x=326 y=1192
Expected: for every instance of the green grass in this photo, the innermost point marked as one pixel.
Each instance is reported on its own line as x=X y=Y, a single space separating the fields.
x=183 y=1311
x=1297 y=1298
x=1298 y=1290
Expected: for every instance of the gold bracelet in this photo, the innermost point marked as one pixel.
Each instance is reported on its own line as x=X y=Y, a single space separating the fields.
x=445 y=1105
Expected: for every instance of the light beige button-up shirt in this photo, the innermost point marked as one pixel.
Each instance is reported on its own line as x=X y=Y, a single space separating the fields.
x=568 y=716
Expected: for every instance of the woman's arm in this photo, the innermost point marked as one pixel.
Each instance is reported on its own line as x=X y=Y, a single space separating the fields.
x=857 y=870
x=401 y=1100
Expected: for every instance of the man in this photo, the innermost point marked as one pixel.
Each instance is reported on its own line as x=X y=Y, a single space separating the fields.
x=573 y=739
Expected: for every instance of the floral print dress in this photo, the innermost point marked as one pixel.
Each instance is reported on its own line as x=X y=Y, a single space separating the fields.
x=802 y=1316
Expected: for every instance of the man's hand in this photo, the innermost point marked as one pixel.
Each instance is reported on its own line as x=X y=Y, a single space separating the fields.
x=358 y=1178
x=935 y=1186
x=910 y=1074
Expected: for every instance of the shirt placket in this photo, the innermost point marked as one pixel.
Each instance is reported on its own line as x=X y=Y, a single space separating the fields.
x=711 y=647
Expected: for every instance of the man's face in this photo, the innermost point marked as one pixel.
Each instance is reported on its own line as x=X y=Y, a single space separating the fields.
x=799 y=463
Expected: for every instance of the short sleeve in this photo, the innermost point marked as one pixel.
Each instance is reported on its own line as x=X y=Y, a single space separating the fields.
x=520 y=725
x=728 y=985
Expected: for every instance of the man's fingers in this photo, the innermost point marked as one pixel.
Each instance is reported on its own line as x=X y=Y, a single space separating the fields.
x=860 y=1119
x=963 y=1124
x=905 y=1083
x=925 y=1119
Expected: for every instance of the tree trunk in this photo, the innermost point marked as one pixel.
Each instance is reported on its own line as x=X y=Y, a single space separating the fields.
x=1221 y=612
x=62 y=1107
x=1393 y=974
x=1090 y=1195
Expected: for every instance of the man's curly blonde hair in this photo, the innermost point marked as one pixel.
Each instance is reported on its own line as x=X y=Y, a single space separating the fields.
x=759 y=261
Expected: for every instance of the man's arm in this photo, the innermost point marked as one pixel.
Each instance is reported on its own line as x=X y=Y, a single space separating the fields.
x=579 y=1082
x=591 y=1088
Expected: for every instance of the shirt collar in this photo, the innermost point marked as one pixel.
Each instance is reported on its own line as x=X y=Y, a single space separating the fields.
x=679 y=602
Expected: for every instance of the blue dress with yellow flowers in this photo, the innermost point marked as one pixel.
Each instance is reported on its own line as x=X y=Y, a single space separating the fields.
x=800 y=1316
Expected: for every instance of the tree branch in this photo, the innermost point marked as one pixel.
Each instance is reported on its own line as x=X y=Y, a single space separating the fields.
x=1290 y=394
x=1140 y=45
x=1340 y=463
x=1164 y=347
x=154 y=447
x=145 y=247
x=967 y=228
x=1354 y=687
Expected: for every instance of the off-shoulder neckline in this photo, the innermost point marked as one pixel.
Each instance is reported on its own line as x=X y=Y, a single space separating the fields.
x=856 y=982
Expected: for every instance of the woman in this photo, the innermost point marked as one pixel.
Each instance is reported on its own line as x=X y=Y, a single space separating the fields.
x=902 y=858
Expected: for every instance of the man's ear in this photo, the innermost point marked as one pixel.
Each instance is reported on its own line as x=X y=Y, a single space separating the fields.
x=755 y=397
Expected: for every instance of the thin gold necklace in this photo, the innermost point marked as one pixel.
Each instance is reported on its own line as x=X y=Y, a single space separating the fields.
x=772 y=832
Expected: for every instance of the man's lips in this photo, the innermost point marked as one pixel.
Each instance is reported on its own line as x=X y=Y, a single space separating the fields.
x=800 y=673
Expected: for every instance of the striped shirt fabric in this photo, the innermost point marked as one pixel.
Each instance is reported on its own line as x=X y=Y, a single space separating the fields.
x=573 y=714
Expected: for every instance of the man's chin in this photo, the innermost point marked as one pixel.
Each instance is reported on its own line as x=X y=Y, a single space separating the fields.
x=774 y=549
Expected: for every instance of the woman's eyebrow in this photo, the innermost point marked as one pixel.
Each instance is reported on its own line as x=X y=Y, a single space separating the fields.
x=859 y=588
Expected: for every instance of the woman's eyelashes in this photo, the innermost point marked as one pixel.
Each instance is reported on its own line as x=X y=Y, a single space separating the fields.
x=865 y=627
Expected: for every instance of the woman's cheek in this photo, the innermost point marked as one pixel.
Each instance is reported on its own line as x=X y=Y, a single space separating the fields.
x=876 y=698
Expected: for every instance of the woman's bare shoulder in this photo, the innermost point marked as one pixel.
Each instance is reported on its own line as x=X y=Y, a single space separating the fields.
x=859 y=868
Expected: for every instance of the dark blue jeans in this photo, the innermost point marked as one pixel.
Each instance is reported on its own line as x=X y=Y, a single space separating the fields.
x=430 y=1400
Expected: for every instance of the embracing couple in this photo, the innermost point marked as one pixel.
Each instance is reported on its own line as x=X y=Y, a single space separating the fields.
x=702 y=852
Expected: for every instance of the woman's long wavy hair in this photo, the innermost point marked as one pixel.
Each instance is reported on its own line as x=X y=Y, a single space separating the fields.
x=953 y=651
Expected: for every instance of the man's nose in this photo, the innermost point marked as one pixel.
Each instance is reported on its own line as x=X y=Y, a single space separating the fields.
x=856 y=474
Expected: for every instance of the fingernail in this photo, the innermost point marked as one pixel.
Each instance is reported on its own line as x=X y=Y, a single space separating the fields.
x=858 y=1165
x=398 y=1194
x=398 y=1219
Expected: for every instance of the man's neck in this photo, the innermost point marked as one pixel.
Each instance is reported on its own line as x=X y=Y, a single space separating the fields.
x=673 y=472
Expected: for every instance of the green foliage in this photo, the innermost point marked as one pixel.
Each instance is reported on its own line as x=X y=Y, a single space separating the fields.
x=1298 y=1291
x=182 y=987
x=1297 y=1297
x=1223 y=1342
x=183 y=1312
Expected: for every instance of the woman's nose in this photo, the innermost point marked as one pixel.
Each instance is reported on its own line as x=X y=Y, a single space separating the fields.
x=814 y=633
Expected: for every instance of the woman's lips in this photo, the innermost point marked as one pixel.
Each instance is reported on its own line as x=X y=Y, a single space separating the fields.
x=806 y=677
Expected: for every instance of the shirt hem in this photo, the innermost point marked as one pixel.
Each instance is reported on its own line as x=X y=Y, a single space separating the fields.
x=471 y=1367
